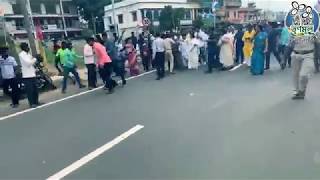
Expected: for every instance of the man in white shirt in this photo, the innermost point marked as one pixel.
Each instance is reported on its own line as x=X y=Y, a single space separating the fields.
x=158 y=55
x=29 y=75
x=203 y=39
x=89 y=61
x=168 y=53
x=8 y=65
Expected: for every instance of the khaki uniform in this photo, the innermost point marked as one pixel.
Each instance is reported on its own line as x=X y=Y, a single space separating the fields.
x=303 y=61
x=317 y=52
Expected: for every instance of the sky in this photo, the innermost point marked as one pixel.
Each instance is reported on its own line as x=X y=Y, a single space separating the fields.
x=277 y=5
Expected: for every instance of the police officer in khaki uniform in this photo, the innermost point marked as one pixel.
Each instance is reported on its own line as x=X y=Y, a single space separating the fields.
x=317 y=52
x=303 y=63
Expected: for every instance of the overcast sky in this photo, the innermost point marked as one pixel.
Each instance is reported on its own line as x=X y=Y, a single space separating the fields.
x=277 y=5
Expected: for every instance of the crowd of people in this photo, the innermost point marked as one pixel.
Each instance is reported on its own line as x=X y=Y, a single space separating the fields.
x=250 y=46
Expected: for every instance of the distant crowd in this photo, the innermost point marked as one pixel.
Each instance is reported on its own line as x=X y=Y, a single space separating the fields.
x=250 y=46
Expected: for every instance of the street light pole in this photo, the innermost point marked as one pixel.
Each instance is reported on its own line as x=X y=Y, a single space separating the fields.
x=63 y=19
x=114 y=17
x=28 y=27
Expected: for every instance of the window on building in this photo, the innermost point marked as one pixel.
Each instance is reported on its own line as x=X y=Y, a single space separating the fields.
x=110 y=20
x=120 y=18
x=134 y=16
x=156 y=14
x=149 y=14
x=235 y=14
x=35 y=7
x=66 y=8
x=187 y=15
x=50 y=7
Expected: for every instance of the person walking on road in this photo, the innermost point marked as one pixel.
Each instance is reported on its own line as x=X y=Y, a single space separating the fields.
x=303 y=63
x=104 y=63
x=132 y=58
x=134 y=40
x=284 y=48
x=239 y=46
x=248 y=44
x=89 y=61
x=159 y=55
x=317 y=53
x=194 y=51
x=29 y=75
x=8 y=66
x=259 y=49
x=273 y=42
x=57 y=61
x=169 y=60
x=69 y=66
x=226 y=51
x=213 y=53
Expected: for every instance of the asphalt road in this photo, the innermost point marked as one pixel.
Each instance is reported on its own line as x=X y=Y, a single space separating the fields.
x=227 y=125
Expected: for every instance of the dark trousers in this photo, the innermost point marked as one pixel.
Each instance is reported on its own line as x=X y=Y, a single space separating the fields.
x=15 y=93
x=105 y=73
x=32 y=90
x=92 y=75
x=119 y=68
x=146 y=62
x=275 y=53
x=239 y=54
x=57 y=64
x=159 y=62
x=285 y=51
x=213 y=57
x=66 y=72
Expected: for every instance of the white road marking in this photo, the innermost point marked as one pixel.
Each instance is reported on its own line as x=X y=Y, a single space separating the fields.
x=84 y=160
x=64 y=99
x=235 y=68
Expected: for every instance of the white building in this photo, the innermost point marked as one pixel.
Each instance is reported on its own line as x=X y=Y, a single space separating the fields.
x=130 y=13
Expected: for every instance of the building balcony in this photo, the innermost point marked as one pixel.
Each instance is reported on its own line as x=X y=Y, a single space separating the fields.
x=22 y=31
x=18 y=16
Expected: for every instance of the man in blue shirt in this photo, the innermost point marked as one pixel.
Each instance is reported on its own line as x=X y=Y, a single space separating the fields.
x=273 y=43
x=284 y=48
x=8 y=67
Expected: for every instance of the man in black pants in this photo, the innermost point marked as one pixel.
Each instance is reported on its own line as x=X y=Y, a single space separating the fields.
x=29 y=75
x=8 y=66
x=273 y=41
x=159 y=55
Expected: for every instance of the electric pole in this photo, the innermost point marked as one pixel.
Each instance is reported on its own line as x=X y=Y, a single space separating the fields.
x=63 y=19
x=27 y=26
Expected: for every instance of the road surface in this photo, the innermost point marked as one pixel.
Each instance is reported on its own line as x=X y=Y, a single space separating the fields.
x=226 y=125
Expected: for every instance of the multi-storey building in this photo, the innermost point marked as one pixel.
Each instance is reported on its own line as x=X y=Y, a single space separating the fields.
x=130 y=13
x=45 y=13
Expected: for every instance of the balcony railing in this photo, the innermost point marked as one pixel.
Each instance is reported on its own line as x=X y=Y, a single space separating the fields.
x=42 y=15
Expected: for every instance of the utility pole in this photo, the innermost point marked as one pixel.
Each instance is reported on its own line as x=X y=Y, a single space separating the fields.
x=28 y=27
x=63 y=19
x=114 y=18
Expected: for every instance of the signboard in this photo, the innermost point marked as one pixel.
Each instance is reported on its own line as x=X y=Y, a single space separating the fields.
x=302 y=20
x=52 y=27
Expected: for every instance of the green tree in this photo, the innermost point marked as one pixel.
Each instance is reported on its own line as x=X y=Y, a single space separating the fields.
x=198 y=22
x=170 y=18
x=92 y=9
